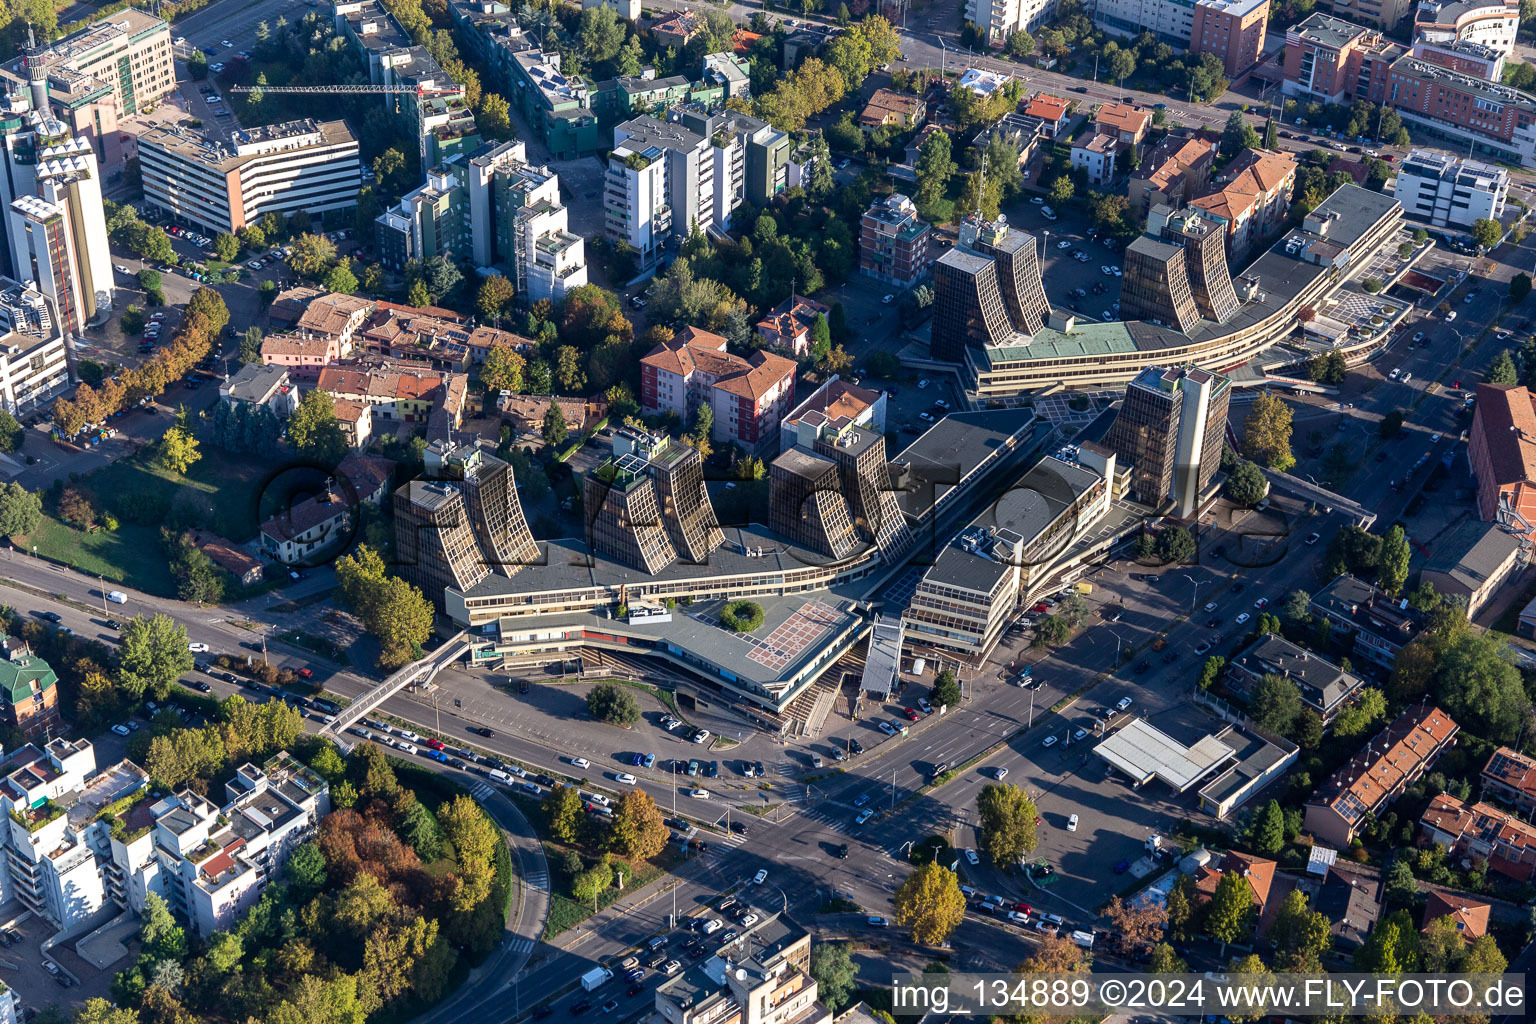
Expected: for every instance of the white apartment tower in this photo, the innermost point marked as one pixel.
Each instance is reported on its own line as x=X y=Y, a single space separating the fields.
x=1002 y=18
x=519 y=222
x=660 y=186
x=1450 y=192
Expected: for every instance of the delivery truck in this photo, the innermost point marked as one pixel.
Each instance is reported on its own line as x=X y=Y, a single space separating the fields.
x=596 y=978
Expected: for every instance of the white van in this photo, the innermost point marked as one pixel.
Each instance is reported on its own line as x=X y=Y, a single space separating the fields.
x=919 y=667
x=117 y=597
x=500 y=776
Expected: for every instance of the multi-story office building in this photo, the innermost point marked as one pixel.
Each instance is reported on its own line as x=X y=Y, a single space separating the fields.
x=893 y=242
x=987 y=289
x=1490 y=23
x=1463 y=109
x=34 y=355
x=559 y=106
x=1170 y=21
x=1330 y=60
x=1233 y=30
x=42 y=161
x=1001 y=18
x=1168 y=433
x=865 y=478
x=1205 y=260
x=979 y=581
x=110 y=70
x=646 y=506
x=1156 y=287
x=806 y=503
x=747 y=396
x=1438 y=187
x=29 y=692
x=460 y=527
x=1474 y=59
x=659 y=186
x=304 y=165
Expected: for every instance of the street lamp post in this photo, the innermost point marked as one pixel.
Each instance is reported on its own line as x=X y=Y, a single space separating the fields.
x=1194 y=599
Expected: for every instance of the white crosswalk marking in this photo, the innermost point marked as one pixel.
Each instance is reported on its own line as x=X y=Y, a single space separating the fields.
x=522 y=945
x=480 y=791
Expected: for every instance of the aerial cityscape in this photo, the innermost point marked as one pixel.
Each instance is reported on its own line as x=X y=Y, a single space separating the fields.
x=696 y=512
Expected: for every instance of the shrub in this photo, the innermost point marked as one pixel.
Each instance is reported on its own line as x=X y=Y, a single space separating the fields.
x=742 y=616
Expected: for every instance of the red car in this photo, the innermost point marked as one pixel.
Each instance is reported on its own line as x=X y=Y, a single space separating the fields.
x=305 y=673
x=912 y=716
x=1024 y=908
x=1041 y=608
x=435 y=744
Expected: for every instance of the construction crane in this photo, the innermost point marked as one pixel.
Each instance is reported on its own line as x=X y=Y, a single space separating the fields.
x=419 y=91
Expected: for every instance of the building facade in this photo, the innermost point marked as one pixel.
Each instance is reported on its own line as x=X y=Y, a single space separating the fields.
x=1331 y=60
x=1252 y=197
x=1232 y=30
x=894 y=241
x=1438 y=187
x=1490 y=23
x=1483 y=832
x=29 y=692
x=1168 y=433
x=747 y=396
x=34 y=357
x=1379 y=625
x=306 y=165
x=987 y=289
x=1501 y=448
x=1001 y=18
x=659 y=187
x=1096 y=158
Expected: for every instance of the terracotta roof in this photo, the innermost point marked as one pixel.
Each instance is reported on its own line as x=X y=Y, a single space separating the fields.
x=330 y=313
x=320 y=348
x=793 y=317
x=1487 y=824
x=438 y=311
x=377 y=384
x=1506 y=418
x=1259 y=872
x=888 y=103
x=1123 y=117
x=1512 y=769
x=1258 y=174
x=1049 y=108
x=838 y=401
x=305 y=516
x=770 y=371
x=223 y=553
x=1375 y=774
x=367 y=473
x=349 y=411
x=742 y=41
x=694 y=351
x=1099 y=144
x=1471 y=916
x=1191 y=152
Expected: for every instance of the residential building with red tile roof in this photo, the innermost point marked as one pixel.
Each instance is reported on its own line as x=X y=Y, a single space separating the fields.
x=1126 y=123
x=676 y=29
x=1470 y=915
x=356 y=419
x=527 y=412
x=1392 y=761
x=748 y=396
x=1053 y=112
x=302 y=354
x=227 y=556
x=1482 y=831
x=887 y=107
x=336 y=314
x=742 y=41
x=788 y=325
x=398 y=392
x=1259 y=872
x=365 y=477
x=1502 y=450
x=1510 y=777
x=1252 y=197
x=1177 y=169
x=1096 y=157
x=306 y=528
x=836 y=406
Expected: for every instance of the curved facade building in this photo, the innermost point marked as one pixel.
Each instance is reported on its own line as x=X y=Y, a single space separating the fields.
x=1491 y=23
x=987 y=289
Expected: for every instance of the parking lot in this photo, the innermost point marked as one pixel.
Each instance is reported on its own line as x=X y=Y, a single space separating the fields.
x=73 y=980
x=1066 y=274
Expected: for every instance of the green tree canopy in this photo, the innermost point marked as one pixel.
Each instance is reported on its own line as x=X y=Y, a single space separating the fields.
x=1006 y=823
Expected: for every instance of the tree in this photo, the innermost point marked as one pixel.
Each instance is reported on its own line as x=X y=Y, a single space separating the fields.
x=935 y=164
x=417 y=295
x=1391 y=948
x=631 y=57
x=1392 y=561
x=306 y=869
x=1267 y=433
x=177 y=450
x=1246 y=484
x=1006 y=828
x=946 y=690
x=250 y=345
x=592 y=883
x=1487 y=232
x=152 y=655
x=568 y=372
x=1238 y=135
x=637 y=830
x=401 y=621
x=341 y=279
x=602 y=33
x=1356 y=719
x=1268 y=833
x=563 y=811
x=1476 y=684
x=1300 y=935
x=315 y=432
x=503 y=368
x=1503 y=370
x=20 y=510
x=555 y=430
x=473 y=838
x=613 y=703
x=98 y=1010
x=1274 y=703
x=197 y=578
x=1211 y=671
x=1391 y=424
x=1231 y=906
x=1175 y=545
x=1138 y=925
x=930 y=903
x=226 y=246
x=1519 y=288
x=496 y=292
x=1020 y=44
x=835 y=974
x=312 y=256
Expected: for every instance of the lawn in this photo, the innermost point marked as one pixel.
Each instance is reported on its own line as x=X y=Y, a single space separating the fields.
x=142 y=495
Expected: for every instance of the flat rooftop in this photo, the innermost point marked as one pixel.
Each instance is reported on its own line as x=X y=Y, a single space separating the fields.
x=1143 y=752
x=960 y=444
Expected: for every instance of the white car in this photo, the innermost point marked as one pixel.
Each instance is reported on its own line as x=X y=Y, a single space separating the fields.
x=626 y=779
x=699 y=794
x=888 y=299
x=409 y=748
x=922 y=383
x=121 y=730
x=1072 y=823
x=226 y=44
x=1107 y=270
x=197 y=647
x=121 y=269
x=864 y=816
x=760 y=877
x=1000 y=774
x=1037 y=200
x=711 y=926
x=887 y=728
x=1434 y=438
x=1210 y=606
x=1065 y=243
x=971 y=858
x=407 y=734
x=1125 y=702
x=580 y=762
x=750 y=920
x=1050 y=741
x=1018 y=917
x=1242 y=618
